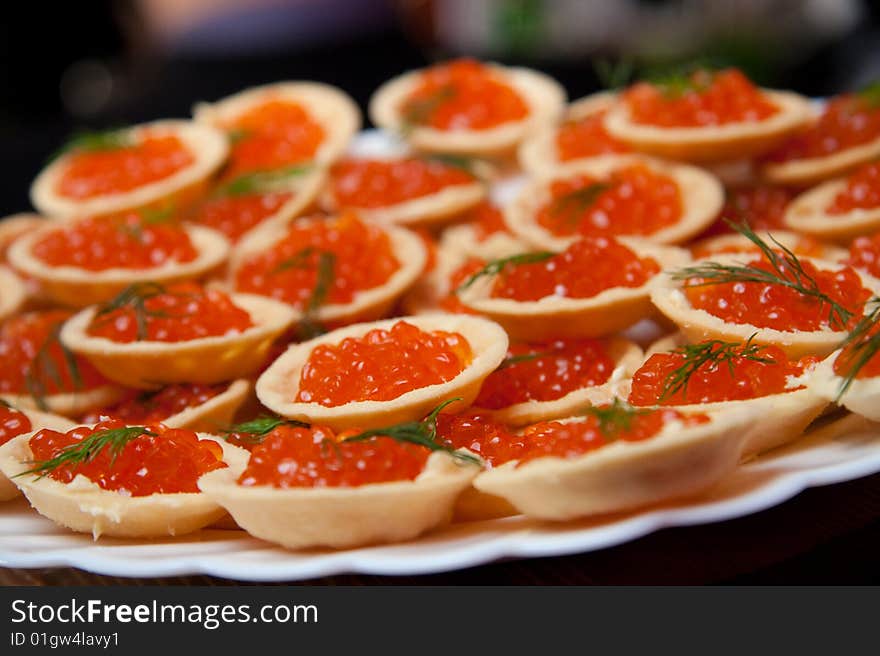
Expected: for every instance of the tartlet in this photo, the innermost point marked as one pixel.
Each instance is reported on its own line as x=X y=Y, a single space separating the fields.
x=798 y=244
x=39 y=420
x=809 y=171
x=207 y=146
x=808 y=213
x=701 y=198
x=12 y=293
x=14 y=226
x=277 y=387
x=862 y=396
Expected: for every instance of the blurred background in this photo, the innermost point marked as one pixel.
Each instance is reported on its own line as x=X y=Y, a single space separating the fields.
x=106 y=63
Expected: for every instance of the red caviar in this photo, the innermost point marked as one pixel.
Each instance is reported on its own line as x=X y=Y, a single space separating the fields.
x=776 y=306
x=90 y=173
x=169 y=461
x=761 y=206
x=382 y=365
x=12 y=423
x=862 y=191
x=371 y=183
x=487 y=220
x=585 y=269
x=864 y=253
x=546 y=372
x=234 y=215
x=480 y=434
x=760 y=373
x=633 y=200
x=846 y=121
x=179 y=313
x=451 y=302
x=586 y=137
x=363 y=258
x=462 y=95
x=128 y=241
x=34 y=362
x=154 y=407
x=853 y=352
x=292 y=457
x=701 y=99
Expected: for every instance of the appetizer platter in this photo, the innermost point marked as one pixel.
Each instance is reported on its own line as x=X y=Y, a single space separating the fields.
x=263 y=345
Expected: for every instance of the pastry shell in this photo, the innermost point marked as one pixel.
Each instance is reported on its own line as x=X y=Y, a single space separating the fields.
x=808 y=214
x=14 y=226
x=811 y=170
x=39 y=420
x=627 y=357
x=544 y=96
x=12 y=293
x=278 y=385
x=207 y=145
x=337 y=113
x=76 y=287
x=69 y=404
x=737 y=243
x=149 y=364
x=697 y=324
x=677 y=462
x=462 y=240
x=862 y=397
x=607 y=312
x=84 y=507
x=713 y=143
x=343 y=517
x=701 y=197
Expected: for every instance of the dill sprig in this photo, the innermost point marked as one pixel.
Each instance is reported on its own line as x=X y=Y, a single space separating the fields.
x=859 y=347
x=714 y=353
x=255 y=430
x=460 y=162
x=260 y=181
x=676 y=80
x=870 y=94
x=309 y=326
x=149 y=217
x=418 y=112
x=614 y=75
x=787 y=271
x=494 y=267
x=94 y=141
x=135 y=297
x=43 y=369
x=574 y=203
x=614 y=418
x=523 y=357
x=87 y=449
x=236 y=135
x=421 y=433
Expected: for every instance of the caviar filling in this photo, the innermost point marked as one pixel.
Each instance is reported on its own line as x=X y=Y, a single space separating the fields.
x=12 y=423
x=760 y=206
x=152 y=407
x=235 y=214
x=864 y=253
x=586 y=137
x=862 y=191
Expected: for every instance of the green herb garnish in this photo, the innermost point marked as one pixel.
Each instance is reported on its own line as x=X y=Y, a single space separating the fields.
x=523 y=357
x=574 y=203
x=614 y=75
x=43 y=370
x=870 y=94
x=255 y=430
x=495 y=267
x=859 y=347
x=615 y=418
x=95 y=141
x=260 y=181
x=135 y=297
x=418 y=112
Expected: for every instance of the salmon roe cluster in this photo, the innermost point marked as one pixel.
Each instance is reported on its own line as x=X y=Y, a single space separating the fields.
x=382 y=365
x=362 y=256
x=451 y=302
x=853 y=352
x=746 y=374
x=34 y=362
x=234 y=215
x=463 y=94
x=586 y=137
x=291 y=457
x=487 y=220
x=128 y=241
x=177 y=313
x=492 y=441
x=159 y=460
x=862 y=191
x=91 y=173
x=371 y=183
x=864 y=253
x=701 y=99
x=155 y=407
x=761 y=206
x=777 y=306
x=12 y=423
x=585 y=269
x=546 y=372
x=633 y=200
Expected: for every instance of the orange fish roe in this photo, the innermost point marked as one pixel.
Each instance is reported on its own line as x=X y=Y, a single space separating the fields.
x=749 y=373
x=776 y=306
x=761 y=206
x=480 y=434
x=451 y=302
x=362 y=256
x=155 y=407
x=177 y=313
x=234 y=215
x=585 y=269
x=586 y=137
x=12 y=423
x=34 y=361
x=126 y=241
x=168 y=461
x=701 y=99
x=546 y=372
x=462 y=95
x=864 y=253
x=291 y=457
x=382 y=365
x=862 y=191
x=854 y=351
x=276 y=134
x=487 y=220
x=371 y=183
x=633 y=200
x=90 y=173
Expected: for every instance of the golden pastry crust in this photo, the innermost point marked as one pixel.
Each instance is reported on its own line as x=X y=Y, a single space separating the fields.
x=207 y=145
x=39 y=420
x=701 y=196
x=69 y=404
x=12 y=293
x=149 y=364
x=84 y=507
x=808 y=213
x=811 y=170
x=697 y=324
x=608 y=312
x=14 y=226
x=678 y=462
x=343 y=517
x=627 y=357
x=336 y=112
x=544 y=96
x=862 y=397
x=278 y=385
x=713 y=143
x=76 y=287
x=740 y=243
x=367 y=304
